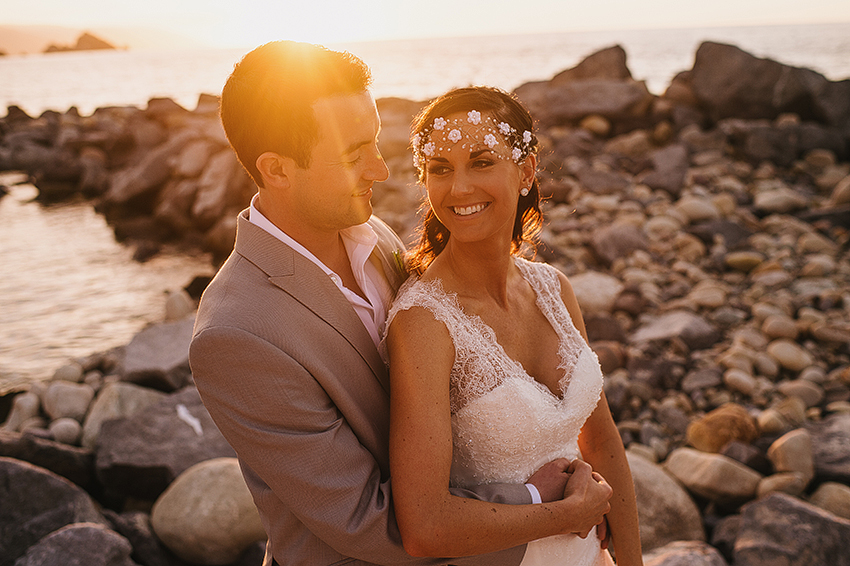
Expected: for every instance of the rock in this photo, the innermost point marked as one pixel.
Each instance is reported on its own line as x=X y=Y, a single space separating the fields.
x=692 y=329
x=80 y=543
x=779 y=326
x=596 y=292
x=601 y=182
x=158 y=356
x=841 y=192
x=66 y=430
x=712 y=476
x=830 y=442
x=780 y=529
x=135 y=526
x=717 y=428
x=771 y=421
x=669 y=169
x=684 y=553
x=114 y=401
x=791 y=483
x=24 y=407
x=142 y=454
x=213 y=188
x=739 y=381
x=37 y=502
x=608 y=63
x=207 y=515
x=617 y=240
x=597 y=125
x=666 y=511
x=65 y=399
x=744 y=261
x=833 y=497
x=178 y=305
x=72 y=372
x=781 y=200
x=697 y=209
x=790 y=355
x=72 y=463
x=811 y=393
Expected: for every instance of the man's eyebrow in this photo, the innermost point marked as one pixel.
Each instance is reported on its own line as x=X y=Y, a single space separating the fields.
x=357 y=145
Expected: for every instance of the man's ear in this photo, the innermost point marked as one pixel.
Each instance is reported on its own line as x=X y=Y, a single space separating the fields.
x=275 y=169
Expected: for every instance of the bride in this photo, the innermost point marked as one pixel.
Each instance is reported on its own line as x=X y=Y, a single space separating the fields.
x=491 y=373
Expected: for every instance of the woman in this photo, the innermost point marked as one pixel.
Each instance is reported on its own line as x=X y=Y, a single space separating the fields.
x=491 y=373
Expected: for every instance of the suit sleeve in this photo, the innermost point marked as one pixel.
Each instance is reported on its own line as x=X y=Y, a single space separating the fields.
x=288 y=431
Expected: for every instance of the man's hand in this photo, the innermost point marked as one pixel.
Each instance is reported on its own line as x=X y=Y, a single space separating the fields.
x=551 y=480
x=591 y=493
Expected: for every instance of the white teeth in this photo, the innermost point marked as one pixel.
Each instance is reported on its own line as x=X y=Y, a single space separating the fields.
x=467 y=210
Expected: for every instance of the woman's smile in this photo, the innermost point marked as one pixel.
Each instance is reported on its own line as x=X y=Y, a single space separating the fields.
x=469 y=210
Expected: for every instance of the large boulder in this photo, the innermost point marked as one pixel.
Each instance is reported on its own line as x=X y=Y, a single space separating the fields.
x=116 y=400
x=141 y=455
x=713 y=476
x=667 y=512
x=71 y=462
x=780 y=529
x=207 y=516
x=37 y=502
x=81 y=543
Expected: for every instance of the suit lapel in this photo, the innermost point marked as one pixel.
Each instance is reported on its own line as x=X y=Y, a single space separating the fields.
x=306 y=283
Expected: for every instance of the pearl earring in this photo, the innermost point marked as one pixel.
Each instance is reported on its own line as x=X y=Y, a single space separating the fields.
x=524 y=191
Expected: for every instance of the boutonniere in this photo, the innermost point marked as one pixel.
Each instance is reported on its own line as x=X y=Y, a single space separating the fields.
x=398 y=258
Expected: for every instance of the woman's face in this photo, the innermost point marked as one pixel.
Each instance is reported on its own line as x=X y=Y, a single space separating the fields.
x=472 y=181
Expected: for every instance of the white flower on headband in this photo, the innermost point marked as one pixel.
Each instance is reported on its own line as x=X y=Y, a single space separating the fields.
x=428 y=148
x=505 y=128
x=516 y=154
x=474 y=117
x=490 y=140
x=439 y=123
x=455 y=135
x=526 y=136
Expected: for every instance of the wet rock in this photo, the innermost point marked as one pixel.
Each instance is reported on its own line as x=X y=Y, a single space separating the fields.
x=207 y=515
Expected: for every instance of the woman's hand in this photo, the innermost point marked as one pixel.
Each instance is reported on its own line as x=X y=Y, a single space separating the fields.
x=591 y=493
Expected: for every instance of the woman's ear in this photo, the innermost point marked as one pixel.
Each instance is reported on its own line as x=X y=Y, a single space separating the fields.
x=274 y=169
x=528 y=170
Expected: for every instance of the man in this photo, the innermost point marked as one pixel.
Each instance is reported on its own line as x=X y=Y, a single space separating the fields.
x=285 y=348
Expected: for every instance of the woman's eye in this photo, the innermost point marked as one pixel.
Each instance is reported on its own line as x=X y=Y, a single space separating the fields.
x=482 y=163
x=437 y=170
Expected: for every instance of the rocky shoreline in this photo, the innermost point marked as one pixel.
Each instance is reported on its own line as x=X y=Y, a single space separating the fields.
x=706 y=233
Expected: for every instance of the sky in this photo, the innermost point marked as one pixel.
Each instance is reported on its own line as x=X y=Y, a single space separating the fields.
x=247 y=23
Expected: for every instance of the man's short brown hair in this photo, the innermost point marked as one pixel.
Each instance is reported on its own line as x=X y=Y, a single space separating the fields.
x=267 y=102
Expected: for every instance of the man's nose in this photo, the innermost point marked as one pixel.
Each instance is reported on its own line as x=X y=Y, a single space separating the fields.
x=378 y=170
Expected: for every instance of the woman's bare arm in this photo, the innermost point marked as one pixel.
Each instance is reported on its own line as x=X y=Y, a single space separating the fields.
x=432 y=521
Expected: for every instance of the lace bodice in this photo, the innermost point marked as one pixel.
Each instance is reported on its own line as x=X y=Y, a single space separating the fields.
x=505 y=424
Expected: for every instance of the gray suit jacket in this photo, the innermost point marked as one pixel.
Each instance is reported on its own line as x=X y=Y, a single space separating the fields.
x=294 y=382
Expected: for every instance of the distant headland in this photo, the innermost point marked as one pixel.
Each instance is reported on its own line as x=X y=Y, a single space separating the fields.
x=86 y=42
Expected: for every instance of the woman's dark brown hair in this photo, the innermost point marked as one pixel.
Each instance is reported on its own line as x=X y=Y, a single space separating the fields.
x=502 y=107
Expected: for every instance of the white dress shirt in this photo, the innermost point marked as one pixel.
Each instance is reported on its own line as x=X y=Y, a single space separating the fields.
x=359 y=242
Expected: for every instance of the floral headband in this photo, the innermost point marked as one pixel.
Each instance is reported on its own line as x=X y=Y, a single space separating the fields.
x=443 y=135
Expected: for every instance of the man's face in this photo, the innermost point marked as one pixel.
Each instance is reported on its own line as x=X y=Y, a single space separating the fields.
x=335 y=191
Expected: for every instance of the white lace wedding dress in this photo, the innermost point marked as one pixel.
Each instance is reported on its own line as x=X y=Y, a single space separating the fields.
x=505 y=424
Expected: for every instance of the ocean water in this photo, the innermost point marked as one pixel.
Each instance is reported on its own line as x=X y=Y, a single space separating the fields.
x=416 y=69
x=68 y=289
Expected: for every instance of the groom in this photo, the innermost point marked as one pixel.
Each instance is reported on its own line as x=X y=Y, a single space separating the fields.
x=285 y=352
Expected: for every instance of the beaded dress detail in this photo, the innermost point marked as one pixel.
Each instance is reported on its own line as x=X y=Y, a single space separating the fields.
x=505 y=424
